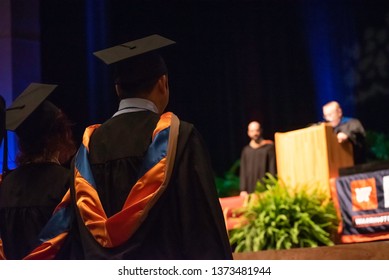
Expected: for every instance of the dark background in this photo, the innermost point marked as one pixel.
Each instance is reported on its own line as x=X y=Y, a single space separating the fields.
x=234 y=61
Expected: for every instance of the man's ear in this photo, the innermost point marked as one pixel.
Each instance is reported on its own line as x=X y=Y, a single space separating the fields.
x=165 y=81
x=118 y=90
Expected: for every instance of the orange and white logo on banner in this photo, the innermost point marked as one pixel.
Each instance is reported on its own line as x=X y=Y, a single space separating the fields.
x=364 y=194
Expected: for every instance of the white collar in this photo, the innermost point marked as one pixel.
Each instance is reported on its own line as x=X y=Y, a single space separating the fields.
x=130 y=105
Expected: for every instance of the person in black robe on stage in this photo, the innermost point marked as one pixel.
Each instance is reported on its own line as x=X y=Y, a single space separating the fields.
x=132 y=207
x=347 y=129
x=257 y=159
x=30 y=193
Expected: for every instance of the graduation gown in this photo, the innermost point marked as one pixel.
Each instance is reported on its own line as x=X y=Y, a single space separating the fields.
x=356 y=135
x=28 y=196
x=254 y=164
x=186 y=222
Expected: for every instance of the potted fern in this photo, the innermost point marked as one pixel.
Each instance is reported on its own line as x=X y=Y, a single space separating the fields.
x=282 y=217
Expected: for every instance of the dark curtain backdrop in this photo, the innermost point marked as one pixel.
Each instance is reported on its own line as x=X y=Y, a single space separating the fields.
x=234 y=61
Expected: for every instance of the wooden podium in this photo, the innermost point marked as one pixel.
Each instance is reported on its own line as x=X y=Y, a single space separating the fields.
x=311 y=155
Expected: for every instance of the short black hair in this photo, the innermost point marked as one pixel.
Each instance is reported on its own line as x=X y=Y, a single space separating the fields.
x=139 y=74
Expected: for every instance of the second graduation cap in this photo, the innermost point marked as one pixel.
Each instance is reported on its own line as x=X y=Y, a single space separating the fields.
x=29 y=115
x=26 y=103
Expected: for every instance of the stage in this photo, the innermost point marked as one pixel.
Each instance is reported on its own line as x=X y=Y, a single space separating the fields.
x=376 y=250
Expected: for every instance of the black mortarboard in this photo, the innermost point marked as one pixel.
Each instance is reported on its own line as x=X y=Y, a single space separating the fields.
x=136 y=61
x=133 y=48
x=26 y=103
x=29 y=115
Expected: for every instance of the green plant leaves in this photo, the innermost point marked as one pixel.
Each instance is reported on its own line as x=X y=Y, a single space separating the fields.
x=281 y=217
x=378 y=144
x=229 y=184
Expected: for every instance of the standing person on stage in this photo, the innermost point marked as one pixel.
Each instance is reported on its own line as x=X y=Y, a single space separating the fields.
x=257 y=159
x=30 y=193
x=347 y=129
x=144 y=184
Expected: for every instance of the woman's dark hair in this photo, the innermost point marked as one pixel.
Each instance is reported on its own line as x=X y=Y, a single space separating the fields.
x=44 y=134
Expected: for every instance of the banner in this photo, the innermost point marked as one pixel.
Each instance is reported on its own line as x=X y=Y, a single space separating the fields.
x=363 y=202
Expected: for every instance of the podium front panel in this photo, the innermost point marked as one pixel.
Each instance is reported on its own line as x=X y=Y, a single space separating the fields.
x=310 y=155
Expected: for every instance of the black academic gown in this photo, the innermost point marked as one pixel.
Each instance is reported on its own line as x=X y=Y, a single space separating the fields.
x=356 y=135
x=186 y=222
x=254 y=164
x=28 y=197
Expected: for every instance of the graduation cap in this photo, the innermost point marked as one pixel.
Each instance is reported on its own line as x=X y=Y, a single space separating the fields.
x=26 y=103
x=136 y=61
x=24 y=118
x=133 y=48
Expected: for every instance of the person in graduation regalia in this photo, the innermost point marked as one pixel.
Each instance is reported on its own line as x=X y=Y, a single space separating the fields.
x=347 y=129
x=257 y=158
x=30 y=193
x=144 y=184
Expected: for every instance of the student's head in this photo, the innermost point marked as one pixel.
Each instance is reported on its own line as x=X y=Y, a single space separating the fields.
x=140 y=72
x=45 y=135
x=332 y=113
x=144 y=76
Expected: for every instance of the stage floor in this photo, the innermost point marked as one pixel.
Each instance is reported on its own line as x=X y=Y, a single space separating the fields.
x=375 y=250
